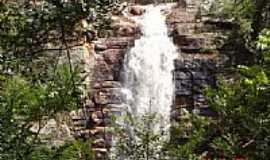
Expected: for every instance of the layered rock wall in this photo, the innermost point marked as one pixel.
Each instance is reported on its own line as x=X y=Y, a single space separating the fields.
x=196 y=67
x=105 y=100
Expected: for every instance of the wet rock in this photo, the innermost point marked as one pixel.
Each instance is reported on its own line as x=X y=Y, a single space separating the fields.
x=199 y=98
x=107 y=84
x=207 y=111
x=182 y=101
x=191 y=77
x=100 y=47
x=190 y=49
x=187 y=43
x=186 y=65
x=99 y=143
x=124 y=27
x=127 y=31
x=224 y=24
x=194 y=65
x=180 y=16
x=108 y=96
x=199 y=75
x=100 y=152
x=183 y=87
x=97 y=115
x=99 y=131
x=119 y=43
x=178 y=75
x=102 y=71
x=109 y=63
x=113 y=56
x=183 y=29
x=136 y=10
x=200 y=83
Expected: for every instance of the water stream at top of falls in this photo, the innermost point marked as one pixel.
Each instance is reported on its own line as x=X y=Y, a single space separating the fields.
x=148 y=77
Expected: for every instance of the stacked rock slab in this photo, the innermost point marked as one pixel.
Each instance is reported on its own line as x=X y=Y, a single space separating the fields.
x=107 y=96
x=93 y=121
x=196 y=66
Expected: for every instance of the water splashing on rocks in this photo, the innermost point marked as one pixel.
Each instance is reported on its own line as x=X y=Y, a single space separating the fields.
x=148 y=77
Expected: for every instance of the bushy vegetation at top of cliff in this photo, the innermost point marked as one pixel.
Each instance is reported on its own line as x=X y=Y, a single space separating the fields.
x=252 y=17
x=36 y=83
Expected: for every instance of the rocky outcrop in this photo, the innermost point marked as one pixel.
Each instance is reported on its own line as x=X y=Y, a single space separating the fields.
x=191 y=77
x=101 y=62
x=92 y=122
x=196 y=68
x=58 y=130
x=124 y=27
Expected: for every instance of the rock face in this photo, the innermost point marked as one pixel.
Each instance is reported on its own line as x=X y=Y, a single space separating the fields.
x=191 y=76
x=196 y=68
x=106 y=95
x=55 y=132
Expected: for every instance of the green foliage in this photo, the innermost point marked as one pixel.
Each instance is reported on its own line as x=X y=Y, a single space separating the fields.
x=246 y=13
x=187 y=137
x=242 y=121
x=23 y=103
x=34 y=33
x=264 y=45
x=249 y=18
x=264 y=40
x=34 y=37
x=241 y=127
x=138 y=139
x=76 y=150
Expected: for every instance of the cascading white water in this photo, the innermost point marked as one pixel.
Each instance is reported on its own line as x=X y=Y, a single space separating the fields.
x=148 y=70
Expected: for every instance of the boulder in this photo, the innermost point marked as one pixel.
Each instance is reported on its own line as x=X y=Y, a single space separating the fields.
x=136 y=10
x=126 y=29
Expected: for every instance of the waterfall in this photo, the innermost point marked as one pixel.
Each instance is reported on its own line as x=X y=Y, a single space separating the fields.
x=148 y=78
x=148 y=83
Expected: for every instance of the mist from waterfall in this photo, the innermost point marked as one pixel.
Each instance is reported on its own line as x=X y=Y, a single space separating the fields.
x=148 y=78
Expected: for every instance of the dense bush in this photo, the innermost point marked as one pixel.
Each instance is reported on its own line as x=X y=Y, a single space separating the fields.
x=36 y=83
